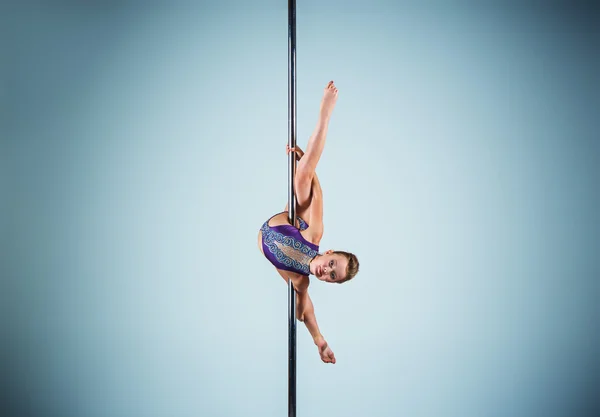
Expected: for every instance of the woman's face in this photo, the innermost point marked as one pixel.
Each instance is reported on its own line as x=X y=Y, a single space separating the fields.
x=330 y=267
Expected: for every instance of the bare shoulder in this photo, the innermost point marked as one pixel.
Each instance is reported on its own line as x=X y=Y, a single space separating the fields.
x=301 y=282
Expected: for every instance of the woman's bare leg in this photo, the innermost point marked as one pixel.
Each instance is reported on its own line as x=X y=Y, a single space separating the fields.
x=304 y=212
x=308 y=164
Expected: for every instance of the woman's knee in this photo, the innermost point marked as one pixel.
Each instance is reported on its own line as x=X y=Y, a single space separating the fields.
x=303 y=180
x=304 y=175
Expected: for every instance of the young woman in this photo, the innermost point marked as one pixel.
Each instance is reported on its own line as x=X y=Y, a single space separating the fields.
x=294 y=249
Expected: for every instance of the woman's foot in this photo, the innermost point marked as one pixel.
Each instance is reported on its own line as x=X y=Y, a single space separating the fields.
x=329 y=99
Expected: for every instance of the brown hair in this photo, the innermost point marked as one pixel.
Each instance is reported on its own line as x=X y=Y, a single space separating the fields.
x=352 y=268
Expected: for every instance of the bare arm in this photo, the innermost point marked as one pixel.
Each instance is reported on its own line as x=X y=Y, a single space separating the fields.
x=299 y=152
x=305 y=310
x=306 y=313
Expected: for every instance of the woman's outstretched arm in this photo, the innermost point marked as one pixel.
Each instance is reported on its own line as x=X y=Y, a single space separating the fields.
x=306 y=313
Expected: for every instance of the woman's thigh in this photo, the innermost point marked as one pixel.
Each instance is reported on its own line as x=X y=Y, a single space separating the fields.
x=303 y=185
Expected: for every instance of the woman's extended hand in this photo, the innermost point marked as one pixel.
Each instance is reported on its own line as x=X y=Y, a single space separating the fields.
x=325 y=351
x=299 y=152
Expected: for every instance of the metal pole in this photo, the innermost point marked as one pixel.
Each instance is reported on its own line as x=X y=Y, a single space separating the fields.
x=291 y=201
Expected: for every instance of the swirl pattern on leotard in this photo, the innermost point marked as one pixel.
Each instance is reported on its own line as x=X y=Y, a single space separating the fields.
x=289 y=251
x=302 y=223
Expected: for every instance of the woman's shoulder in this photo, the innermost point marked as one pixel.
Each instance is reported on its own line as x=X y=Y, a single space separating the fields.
x=301 y=282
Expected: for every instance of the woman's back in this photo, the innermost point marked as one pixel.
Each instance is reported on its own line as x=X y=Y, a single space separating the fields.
x=287 y=247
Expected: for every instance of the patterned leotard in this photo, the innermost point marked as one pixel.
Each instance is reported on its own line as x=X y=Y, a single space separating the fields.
x=286 y=248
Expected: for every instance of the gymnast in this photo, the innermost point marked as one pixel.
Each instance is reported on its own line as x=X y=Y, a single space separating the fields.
x=294 y=249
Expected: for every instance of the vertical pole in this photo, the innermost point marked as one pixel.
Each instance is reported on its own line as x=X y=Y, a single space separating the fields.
x=291 y=201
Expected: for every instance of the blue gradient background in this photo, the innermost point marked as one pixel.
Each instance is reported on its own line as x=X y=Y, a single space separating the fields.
x=143 y=145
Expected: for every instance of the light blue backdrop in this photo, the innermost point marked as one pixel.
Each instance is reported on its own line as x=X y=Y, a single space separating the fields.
x=144 y=145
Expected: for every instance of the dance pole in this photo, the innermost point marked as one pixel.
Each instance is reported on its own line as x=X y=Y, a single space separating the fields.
x=291 y=201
